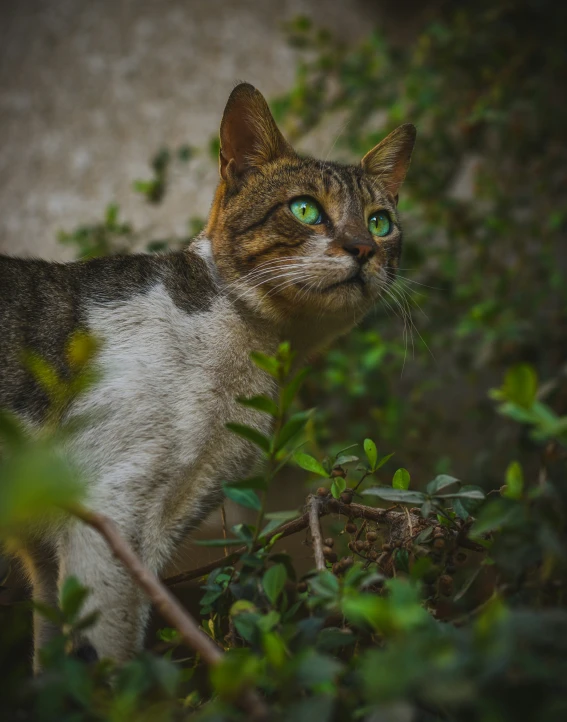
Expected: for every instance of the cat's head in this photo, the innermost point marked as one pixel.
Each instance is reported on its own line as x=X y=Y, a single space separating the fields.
x=293 y=234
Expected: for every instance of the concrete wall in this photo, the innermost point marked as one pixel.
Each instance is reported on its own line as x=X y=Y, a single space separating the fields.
x=90 y=89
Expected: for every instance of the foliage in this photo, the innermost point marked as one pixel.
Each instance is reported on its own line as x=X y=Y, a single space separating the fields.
x=482 y=271
x=446 y=600
x=413 y=629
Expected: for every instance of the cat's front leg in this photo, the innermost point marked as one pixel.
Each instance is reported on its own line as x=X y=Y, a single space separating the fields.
x=123 y=609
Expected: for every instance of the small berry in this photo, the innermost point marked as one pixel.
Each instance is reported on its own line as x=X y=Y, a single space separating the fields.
x=439 y=543
x=329 y=542
x=446 y=585
x=337 y=568
x=371 y=536
x=301 y=587
x=351 y=528
x=346 y=497
x=338 y=471
x=386 y=547
x=359 y=545
x=347 y=562
x=322 y=491
x=352 y=545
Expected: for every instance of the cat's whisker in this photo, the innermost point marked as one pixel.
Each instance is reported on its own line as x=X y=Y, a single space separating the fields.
x=293 y=274
x=404 y=299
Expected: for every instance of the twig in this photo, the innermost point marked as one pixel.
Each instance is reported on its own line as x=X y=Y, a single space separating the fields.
x=290 y=527
x=159 y=595
x=223 y=517
x=314 y=508
x=163 y=600
x=410 y=525
x=326 y=506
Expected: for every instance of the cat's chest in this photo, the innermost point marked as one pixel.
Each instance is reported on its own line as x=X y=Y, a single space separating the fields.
x=169 y=383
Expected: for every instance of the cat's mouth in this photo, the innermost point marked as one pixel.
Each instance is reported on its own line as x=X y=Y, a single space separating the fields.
x=354 y=279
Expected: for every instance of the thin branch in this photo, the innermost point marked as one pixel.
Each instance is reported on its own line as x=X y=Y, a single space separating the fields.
x=314 y=505
x=159 y=595
x=290 y=527
x=328 y=505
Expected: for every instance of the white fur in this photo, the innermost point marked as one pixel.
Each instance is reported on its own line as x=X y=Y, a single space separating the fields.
x=156 y=450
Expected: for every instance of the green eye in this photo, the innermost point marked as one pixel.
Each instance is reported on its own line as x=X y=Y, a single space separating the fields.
x=379 y=224
x=306 y=210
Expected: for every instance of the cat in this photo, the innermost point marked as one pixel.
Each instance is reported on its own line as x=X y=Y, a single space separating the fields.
x=294 y=249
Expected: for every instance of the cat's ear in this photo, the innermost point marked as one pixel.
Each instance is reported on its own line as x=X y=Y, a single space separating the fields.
x=249 y=135
x=390 y=159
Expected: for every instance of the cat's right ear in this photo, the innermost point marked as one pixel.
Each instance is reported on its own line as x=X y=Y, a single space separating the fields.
x=390 y=159
x=249 y=136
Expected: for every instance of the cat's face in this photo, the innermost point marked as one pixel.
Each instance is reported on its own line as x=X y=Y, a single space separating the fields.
x=293 y=234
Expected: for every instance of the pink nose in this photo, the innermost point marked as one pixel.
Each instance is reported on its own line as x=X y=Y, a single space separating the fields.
x=361 y=250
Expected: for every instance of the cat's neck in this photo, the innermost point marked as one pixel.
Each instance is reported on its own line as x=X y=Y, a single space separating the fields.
x=307 y=333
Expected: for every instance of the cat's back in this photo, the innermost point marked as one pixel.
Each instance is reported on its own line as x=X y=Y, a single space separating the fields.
x=43 y=303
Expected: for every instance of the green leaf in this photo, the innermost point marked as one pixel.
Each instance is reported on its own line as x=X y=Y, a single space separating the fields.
x=443 y=481
x=325 y=585
x=520 y=385
x=244 y=497
x=289 y=392
x=464 y=494
x=387 y=493
x=492 y=516
x=266 y=363
x=273 y=582
x=371 y=453
x=309 y=463
x=383 y=460
x=260 y=403
x=251 y=434
x=338 y=486
x=425 y=535
x=514 y=481
x=401 y=479
x=293 y=426
x=11 y=429
x=72 y=596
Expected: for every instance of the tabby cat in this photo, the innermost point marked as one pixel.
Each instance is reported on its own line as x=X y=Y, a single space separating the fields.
x=294 y=249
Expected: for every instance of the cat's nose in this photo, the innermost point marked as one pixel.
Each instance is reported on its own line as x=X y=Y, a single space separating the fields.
x=361 y=250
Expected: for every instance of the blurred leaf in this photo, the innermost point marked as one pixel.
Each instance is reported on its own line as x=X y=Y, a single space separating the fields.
x=440 y=483
x=250 y=434
x=309 y=464
x=401 y=479
x=514 y=481
x=371 y=453
x=266 y=363
x=387 y=493
x=338 y=486
x=260 y=403
x=273 y=582
x=291 y=428
x=244 y=497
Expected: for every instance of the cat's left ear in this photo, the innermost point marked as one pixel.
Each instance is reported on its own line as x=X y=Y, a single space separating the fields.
x=390 y=159
x=249 y=136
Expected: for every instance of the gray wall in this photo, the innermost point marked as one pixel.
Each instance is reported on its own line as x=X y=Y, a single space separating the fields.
x=90 y=89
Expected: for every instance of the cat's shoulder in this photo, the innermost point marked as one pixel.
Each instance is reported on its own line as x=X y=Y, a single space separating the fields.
x=186 y=275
